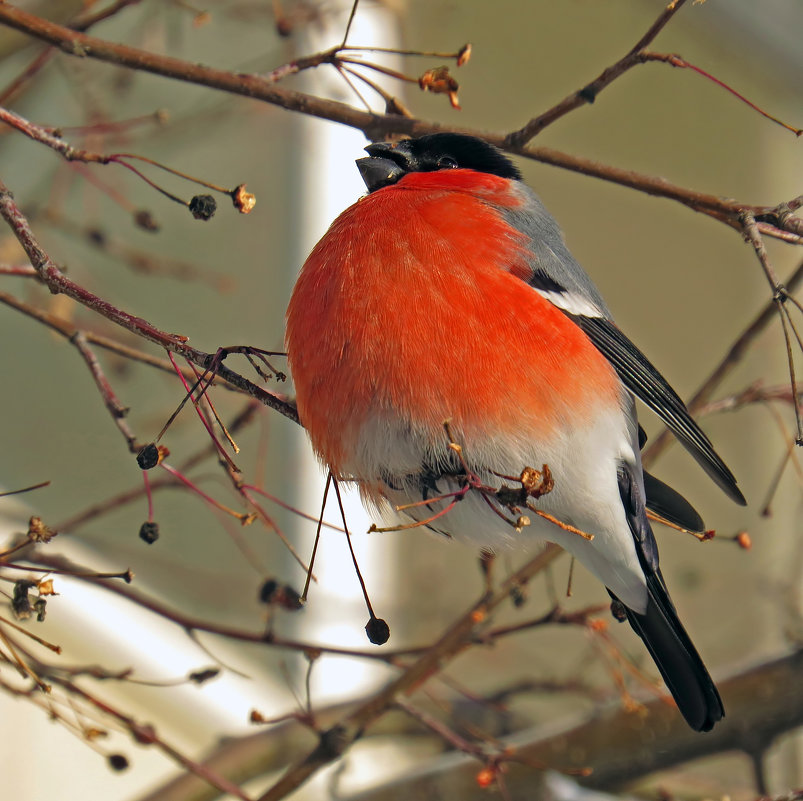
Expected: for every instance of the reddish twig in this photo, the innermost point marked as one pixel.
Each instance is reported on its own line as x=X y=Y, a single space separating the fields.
x=22 y=270
x=677 y=61
x=479 y=751
x=780 y=296
x=166 y=482
x=40 y=485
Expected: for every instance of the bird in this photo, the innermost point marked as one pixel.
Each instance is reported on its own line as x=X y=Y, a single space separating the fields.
x=442 y=338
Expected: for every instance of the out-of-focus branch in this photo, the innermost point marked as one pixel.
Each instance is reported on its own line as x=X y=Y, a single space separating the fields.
x=84 y=46
x=141 y=262
x=760 y=704
x=83 y=23
x=68 y=329
x=145 y=734
x=755 y=393
x=620 y=746
x=337 y=739
x=110 y=399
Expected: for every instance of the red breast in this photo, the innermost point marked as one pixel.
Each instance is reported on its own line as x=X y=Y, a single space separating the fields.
x=413 y=307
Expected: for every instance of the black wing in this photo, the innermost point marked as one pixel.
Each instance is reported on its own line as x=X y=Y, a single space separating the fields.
x=659 y=626
x=648 y=385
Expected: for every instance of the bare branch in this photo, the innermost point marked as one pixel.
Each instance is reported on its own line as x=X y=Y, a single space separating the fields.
x=588 y=94
x=58 y=283
x=374 y=126
x=733 y=357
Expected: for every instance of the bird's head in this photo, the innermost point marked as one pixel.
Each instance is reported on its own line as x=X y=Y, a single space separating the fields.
x=387 y=163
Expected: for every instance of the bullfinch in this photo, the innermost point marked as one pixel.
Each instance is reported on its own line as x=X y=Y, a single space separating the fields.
x=447 y=294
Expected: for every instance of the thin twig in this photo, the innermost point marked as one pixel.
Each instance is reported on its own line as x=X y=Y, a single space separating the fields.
x=590 y=91
x=335 y=740
x=727 y=364
x=780 y=295
x=110 y=400
x=146 y=734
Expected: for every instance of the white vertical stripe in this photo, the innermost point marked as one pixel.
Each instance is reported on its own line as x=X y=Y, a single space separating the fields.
x=330 y=182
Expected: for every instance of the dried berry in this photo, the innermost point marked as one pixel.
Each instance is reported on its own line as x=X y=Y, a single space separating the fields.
x=21 y=600
x=148 y=457
x=203 y=207
x=145 y=220
x=289 y=599
x=377 y=630
x=39 y=531
x=275 y=594
x=439 y=81
x=201 y=676
x=464 y=54
x=486 y=777
x=117 y=762
x=267 y=591
x=149 y=532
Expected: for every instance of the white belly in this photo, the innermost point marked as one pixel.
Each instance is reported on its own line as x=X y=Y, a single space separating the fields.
x=583 y=463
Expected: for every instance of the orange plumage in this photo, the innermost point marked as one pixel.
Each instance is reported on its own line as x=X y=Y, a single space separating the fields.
x=413 y=305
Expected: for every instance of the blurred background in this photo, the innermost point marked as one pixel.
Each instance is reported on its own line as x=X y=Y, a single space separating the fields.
x=680 y=285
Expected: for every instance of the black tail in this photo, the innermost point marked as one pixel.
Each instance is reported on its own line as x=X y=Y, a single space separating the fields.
x=677 y=659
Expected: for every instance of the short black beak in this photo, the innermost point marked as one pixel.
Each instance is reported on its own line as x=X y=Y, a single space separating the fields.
x=377 y=171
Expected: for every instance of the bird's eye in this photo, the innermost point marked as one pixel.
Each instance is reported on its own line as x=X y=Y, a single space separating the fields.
x=447 y=163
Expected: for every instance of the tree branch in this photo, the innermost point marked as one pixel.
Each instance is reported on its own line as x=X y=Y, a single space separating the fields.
x=374 y=126
x=734 y=355
x=58 y=283
x=652 y=740
x=621 y=746
x=588 y=94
